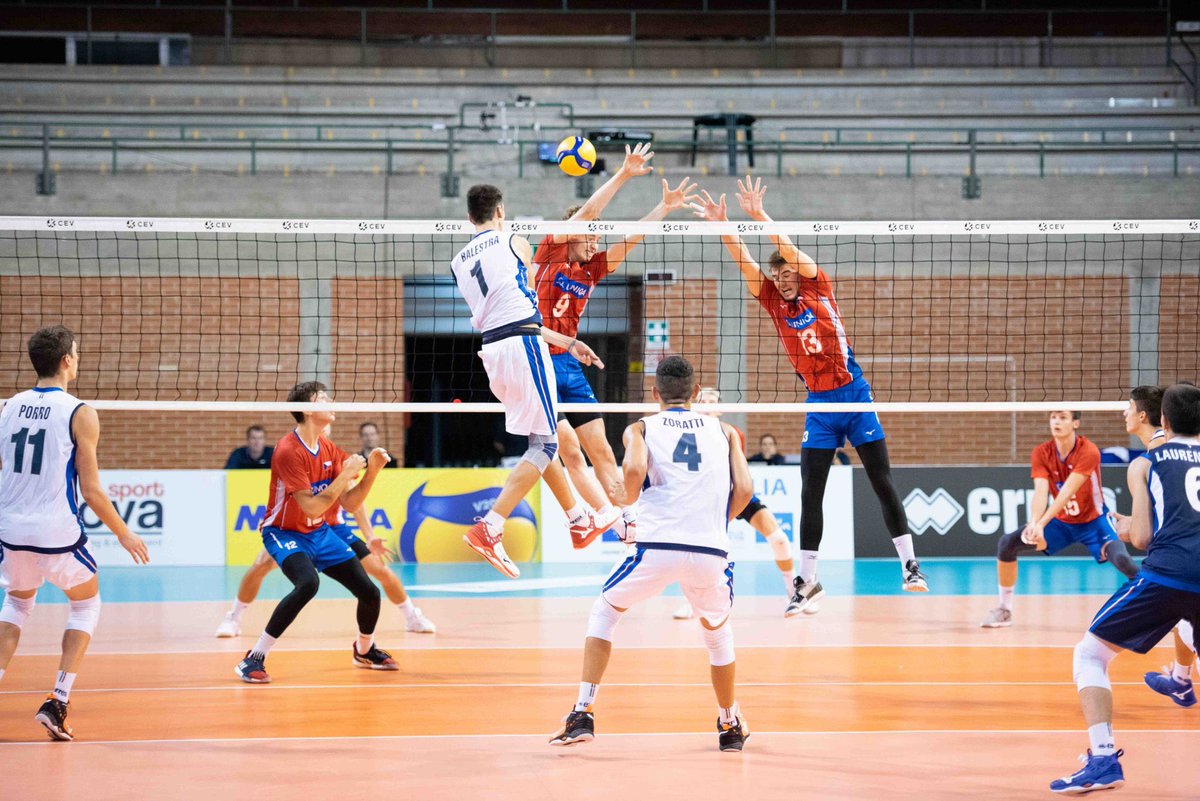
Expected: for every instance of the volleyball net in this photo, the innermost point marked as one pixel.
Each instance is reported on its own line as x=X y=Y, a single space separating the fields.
x=180 y=320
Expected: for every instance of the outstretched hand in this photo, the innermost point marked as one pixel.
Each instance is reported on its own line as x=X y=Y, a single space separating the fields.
x=750 y=197
x=637 y=160
x=680 y=196
x=585 y=355
x=709 y=209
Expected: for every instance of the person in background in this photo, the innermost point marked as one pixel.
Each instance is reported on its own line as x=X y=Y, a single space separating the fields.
x=369 y=434
x=768 y=451
x=256 y=455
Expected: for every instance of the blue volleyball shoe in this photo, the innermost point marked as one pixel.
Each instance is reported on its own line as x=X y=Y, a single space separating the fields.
x=1099 y=773
x=1181 y=692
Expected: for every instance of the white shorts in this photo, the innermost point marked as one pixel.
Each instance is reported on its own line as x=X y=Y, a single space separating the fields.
x=706 y=580
x=521 y=376
x=27 y=570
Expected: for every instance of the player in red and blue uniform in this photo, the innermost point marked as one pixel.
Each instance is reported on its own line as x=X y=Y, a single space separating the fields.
x=1166 y=522
x=1069 y=466
x=567 y=269
x=311 y=481
x=798 y=296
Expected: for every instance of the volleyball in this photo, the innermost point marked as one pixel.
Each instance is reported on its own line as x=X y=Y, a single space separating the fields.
x=442 y=509
x=576 y=156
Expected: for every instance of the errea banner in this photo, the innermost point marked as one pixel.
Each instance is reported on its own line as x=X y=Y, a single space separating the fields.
x=177 y=512
x=961 y=511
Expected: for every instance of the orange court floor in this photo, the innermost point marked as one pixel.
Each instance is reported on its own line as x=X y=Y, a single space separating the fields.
x=900 y=696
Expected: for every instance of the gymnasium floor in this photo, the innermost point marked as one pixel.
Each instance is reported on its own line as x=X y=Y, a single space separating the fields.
x=882 y=693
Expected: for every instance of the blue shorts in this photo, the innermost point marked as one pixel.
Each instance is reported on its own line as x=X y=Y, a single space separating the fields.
x=831 y=430
x=1142 y=612
x=572 y=385
x=325 y=547
x=346 y=535
x=1093 y=536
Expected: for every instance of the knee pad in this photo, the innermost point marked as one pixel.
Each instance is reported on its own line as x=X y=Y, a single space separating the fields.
x=720 y=645
x=781 y=547
x=16 y=610
x=602 y=620
x=1091 y=663
x=84 y=615
x=1009 y=545
x=1187 y=634
x=542 y=450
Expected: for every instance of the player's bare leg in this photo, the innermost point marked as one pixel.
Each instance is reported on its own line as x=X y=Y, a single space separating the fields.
x=731 y=725
x=599 y=451
x=571 y=453
x=21 y=603
x=579 y=725
x=584 y=523
x=1102 y=768
x=84 y=600
x=1175 y=680
x=393 y=588
x=251 y=583
x=1007 y=548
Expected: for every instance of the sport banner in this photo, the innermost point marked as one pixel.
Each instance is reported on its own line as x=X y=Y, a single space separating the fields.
x=962 y=511
x=422 y=514
x=177 y=513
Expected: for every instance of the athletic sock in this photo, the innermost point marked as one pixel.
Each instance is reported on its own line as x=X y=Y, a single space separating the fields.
x=494 y=521
x=587 y=696
x=1101 y=736
x=239 y=608
x=263 y=646
x=575 y=512
x=408 y=608
x=789 y=580
x=1006 y=597
x=904 y=549
x=729 y=715
x=1178 y=672
x=808 y=566
x=364 y=643
x=62 y=687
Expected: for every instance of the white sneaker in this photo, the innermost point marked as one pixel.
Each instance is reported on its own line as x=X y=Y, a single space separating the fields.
x=684 y=612
x=419 y=624
x=229 y=627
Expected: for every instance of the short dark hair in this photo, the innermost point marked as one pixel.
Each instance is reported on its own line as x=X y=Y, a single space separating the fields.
x=675 y=379
x=367 y=423
x=47 y=347
x=764 y=436
x=254 y=428
x=571 y=212
x=482 y=200
x=776 y=260
x=1074 y=415
x=1148 y=399
x=1181 y=408
x=304 y=393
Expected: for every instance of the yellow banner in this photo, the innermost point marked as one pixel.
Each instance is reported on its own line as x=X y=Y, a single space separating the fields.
x=422 y=514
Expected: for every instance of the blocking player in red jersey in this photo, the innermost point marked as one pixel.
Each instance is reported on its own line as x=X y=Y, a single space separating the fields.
x=567 y=268
x=799 y=298
x=311 y=481
x=1068 y=465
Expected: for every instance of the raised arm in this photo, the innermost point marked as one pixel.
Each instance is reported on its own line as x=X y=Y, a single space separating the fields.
x=672 y=200
x=750 y=198
x=85 y=428
x=743 y=486
x=636 y=163
x=714 y=211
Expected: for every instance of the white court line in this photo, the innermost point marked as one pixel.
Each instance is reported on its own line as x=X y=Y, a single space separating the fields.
x=542 y=737
x=243 y=687
x=516 y=585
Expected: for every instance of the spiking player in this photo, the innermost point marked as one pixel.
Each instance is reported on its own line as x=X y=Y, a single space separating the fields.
x=311 y=480
x=1143 y=419
x=693 y=472
x=760 y=518
x=370 y=550
x=799 y=299
x=1069 y=465
x=48 y=441
x=493 y=278
x=568 y=268
x=1166 y=522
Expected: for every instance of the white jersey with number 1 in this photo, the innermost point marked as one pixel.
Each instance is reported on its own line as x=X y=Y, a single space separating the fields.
x=689 y=478
x=494 y=282
x=39 y=486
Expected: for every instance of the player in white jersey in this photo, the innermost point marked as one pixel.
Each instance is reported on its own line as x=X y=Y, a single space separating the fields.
x=492 y=275
x=688 y=476
x=48 y=444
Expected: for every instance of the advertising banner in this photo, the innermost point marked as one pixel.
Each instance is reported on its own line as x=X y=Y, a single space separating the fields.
x=777 y=487
x=962 y=511
x=422 y=514
x=177 y=512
